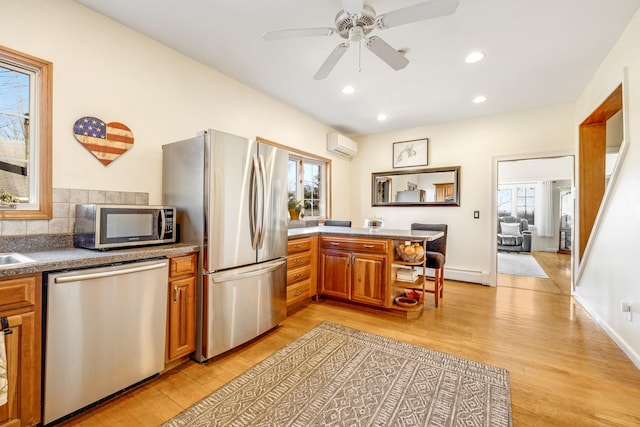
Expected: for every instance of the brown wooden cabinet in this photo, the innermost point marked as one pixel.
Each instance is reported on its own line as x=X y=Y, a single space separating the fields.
x=354 y=269
x=20 y=305
x=181 y=308
x=445 y=192
x=301 y=272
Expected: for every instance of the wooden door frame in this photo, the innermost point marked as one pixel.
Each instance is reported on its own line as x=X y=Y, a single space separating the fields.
x=592 y=147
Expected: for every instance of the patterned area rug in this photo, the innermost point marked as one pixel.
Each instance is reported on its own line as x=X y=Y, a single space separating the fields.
x=338 y=376
x=519 y=264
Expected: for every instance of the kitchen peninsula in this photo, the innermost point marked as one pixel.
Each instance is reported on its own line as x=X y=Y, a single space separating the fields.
x=356 y=265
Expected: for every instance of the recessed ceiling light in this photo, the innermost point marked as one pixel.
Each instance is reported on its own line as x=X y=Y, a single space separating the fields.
x=479 y=99
x=474 y=57
x=348 y=90
x=382 y=117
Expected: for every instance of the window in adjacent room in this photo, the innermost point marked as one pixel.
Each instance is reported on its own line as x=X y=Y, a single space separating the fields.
x=517 y=200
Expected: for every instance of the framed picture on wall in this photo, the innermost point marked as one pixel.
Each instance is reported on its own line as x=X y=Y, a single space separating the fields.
x=411 y=153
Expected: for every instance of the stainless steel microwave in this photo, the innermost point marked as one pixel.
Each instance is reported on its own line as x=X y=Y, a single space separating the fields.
x=103 y=226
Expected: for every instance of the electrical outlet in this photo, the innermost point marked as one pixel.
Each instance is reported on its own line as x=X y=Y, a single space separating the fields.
x=476 y=214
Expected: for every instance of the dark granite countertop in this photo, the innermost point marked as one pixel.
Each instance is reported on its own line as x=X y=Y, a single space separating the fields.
x=70 y=257
x=380 y=233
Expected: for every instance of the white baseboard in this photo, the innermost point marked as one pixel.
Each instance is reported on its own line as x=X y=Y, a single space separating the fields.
x=471 y=276
x=624 y=346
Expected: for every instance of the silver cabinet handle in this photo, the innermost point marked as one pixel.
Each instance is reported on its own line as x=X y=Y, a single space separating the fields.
x=297 y=261
x=298 y=293
x=334 y=244
x=175 y=294
x=368 y=246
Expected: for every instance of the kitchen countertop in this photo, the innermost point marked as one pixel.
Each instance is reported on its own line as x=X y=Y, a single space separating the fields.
x=381 y=233
x=70 y=258
x=66 y=258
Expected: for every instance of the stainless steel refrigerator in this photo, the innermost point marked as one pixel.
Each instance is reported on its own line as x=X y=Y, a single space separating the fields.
x=231 y=195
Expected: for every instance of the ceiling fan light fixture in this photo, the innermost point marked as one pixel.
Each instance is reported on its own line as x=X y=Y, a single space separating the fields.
x=474 y=57
x=356 y=34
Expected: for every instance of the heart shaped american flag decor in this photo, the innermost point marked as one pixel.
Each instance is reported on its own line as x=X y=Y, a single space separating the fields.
x=106 y=141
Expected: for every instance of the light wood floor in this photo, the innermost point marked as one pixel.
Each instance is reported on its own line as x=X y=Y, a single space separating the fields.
x=564 y=370
x=556 y=265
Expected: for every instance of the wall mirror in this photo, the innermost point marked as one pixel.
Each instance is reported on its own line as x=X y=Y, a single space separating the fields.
x=416 y=187
x=25 y=136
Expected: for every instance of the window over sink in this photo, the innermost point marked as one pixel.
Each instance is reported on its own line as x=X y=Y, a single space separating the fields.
x=25 y=136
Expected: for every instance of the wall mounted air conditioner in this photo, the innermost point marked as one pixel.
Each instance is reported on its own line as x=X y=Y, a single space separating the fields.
x=341 y=144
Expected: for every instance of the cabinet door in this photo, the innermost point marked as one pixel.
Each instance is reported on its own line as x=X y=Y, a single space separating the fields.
x=335 y=274
x=182 y=321
x=369 y=278
x=23 y=373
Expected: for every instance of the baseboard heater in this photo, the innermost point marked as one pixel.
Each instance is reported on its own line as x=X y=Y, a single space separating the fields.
x=471 y=276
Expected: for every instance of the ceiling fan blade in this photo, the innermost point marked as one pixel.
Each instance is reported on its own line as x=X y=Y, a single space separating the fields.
x=419 y=12
x=331 y=61
x=298 y=32
x=352 y=7
x=388 y=54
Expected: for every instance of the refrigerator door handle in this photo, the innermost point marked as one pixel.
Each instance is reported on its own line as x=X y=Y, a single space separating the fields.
x=263 y=207
x=249 y=271
x=253 y=208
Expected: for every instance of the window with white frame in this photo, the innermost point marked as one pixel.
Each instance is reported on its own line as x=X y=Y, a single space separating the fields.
x=517 y=200
x=307 y=182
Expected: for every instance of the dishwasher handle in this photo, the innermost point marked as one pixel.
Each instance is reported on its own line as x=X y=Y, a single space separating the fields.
x=117 y=271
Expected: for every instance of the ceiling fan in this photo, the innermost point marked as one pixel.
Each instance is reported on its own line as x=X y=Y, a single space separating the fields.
x=356 y=20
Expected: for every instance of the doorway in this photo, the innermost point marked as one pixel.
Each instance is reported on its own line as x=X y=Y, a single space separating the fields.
x=535 y=194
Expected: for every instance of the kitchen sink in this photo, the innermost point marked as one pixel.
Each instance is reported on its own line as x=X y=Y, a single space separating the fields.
x=13 y=258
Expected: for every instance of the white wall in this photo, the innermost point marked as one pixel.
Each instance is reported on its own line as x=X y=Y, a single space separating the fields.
x=473 y=145
x=610 y=274
x=106 y=70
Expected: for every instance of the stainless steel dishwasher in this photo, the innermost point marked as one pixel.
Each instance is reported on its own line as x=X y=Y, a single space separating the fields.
x=105 y=331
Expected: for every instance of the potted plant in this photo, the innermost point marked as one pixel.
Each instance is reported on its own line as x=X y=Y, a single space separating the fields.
x=295 y=208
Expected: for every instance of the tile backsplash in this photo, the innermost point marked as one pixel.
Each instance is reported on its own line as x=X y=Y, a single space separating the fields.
x=64 y=210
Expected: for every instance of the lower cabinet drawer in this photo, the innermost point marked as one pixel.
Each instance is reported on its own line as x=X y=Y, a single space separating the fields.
x=299 y=245
x=357 y=245
x=298 y=292
x=15 y=293
x=181 y=265
x=298 y=274
x=298 y=260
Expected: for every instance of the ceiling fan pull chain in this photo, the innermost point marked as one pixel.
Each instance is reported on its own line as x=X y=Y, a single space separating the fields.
x=360 y=56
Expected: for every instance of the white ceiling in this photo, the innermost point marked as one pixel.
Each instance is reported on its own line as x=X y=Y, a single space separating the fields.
x=538 y=53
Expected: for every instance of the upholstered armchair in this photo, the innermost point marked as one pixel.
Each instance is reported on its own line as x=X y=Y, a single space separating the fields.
x=513 y=234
